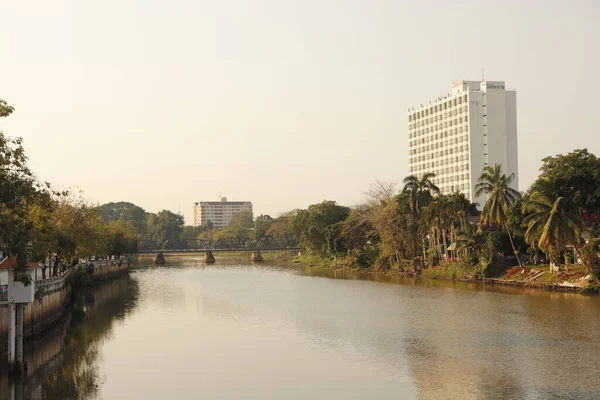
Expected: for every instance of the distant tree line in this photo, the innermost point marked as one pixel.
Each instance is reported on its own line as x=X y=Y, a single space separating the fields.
x=411 y=227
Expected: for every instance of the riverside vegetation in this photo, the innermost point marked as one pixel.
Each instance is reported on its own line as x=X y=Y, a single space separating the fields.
x=58 y=228
x=417 y=230
x=413 y=229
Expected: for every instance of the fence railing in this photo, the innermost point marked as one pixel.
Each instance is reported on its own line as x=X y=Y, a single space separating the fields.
x=55 y=283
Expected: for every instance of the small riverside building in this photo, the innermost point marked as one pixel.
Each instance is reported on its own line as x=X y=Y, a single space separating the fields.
x=7 y=263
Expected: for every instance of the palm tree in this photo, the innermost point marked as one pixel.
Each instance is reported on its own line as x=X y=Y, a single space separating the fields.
x=496 y=184
x=470 y=241
x=421 y=190
x=551 y=224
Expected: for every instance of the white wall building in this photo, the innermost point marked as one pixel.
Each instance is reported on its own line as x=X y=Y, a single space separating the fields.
x=457 y=135
x=218 y=212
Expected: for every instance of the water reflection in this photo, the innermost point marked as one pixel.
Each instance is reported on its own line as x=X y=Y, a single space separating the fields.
x=64 y=363
x=234 y=330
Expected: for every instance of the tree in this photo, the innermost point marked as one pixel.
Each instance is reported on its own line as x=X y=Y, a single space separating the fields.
x=123 y=237
x=312 y=226
x=576 y=178
x=421 y=190
x=19 y=192
x=239 y=228
x=494 y=183
x=550 y=223
x=124 y=211
x=396 y=226
x=77 y=231
x=262 y=223
x=243 y=218
x=281 y=226
x=356 y=237
x=162 y=226
x=190 y=232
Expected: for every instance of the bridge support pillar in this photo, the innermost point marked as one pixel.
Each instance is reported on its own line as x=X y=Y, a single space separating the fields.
x=256 y=256
x=209 y=258
x=160 y=259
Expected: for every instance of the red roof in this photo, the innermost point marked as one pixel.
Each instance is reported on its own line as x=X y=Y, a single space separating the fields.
x=10 y=262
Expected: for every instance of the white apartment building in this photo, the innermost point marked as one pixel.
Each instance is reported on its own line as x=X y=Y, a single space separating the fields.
x=457 y=135
x=218 y=212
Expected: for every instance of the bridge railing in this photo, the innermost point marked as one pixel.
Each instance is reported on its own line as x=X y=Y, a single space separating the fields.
x=225 y=244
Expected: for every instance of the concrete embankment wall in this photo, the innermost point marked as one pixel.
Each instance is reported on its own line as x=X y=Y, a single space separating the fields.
x=44 y=355
x=42 y=314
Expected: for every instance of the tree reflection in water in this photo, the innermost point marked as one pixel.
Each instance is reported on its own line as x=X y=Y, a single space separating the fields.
x=70 y=352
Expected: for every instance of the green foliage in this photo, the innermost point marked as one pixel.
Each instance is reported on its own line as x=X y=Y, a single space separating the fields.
x=262 y=224
x=313 y=226
x=314 y=260
x=455 y=271
x=549 y=222
x=433 y=258
x=194 y=232
x=124 y=211
x=281 y=226
x=19 y=193
x=123 y=237
x=575 y=177
x=355 y=238
x=421 y=190
x=162 y=226
x=190 y=232
x=238 y=230
x=78 y=279
x=496 y=211
x=494 y=183
x=589 y=254
x=242 y=219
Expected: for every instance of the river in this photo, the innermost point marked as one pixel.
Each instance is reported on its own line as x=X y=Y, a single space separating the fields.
x=237 y=331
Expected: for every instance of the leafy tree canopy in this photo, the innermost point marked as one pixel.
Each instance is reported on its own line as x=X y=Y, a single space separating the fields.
x=312 y=226
x=162 y=226
x=575 y=177
x=124 y=211
x=262 y=223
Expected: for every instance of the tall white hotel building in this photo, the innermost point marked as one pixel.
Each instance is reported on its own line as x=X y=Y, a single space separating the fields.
x=457 y=135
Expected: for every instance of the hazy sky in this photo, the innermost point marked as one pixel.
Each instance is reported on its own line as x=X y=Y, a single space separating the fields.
x=283 y=103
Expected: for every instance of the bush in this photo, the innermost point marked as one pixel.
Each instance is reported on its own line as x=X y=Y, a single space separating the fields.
x=384 y=263
x=78 y=279
x=416 y=263
x=596 y=272
x=363 y=258
x=432 y=258
x=591 y=288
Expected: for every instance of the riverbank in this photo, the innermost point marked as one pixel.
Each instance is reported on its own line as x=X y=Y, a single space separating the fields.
x=576 y=280
x=54 y=297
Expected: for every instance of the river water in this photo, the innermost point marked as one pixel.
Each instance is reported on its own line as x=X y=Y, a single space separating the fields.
x=237 y=331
